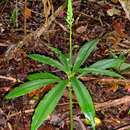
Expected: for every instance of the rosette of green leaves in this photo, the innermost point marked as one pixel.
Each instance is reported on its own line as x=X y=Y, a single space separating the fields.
x=38 y=80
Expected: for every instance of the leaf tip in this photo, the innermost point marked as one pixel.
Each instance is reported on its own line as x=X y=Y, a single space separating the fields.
x=7 y=96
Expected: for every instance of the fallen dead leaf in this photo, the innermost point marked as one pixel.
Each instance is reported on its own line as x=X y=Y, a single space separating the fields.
x=113 y=11
x=126 y=6
x=81 y=29
x=115 y=1
x=28 y=12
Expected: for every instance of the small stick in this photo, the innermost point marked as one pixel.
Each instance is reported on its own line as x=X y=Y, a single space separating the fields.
x=9 y=126
x=16 y=7
x=124 y=128
x=100 y=106
x=18 y=113
x=3 y=44
x=25 y=19
x=9 y=78
x=81 y=123
x=66 y=30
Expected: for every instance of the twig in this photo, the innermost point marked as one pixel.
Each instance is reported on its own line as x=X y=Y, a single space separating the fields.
x=114 y=80
x=106 y=80
x=100 y=106
x=3 y=44
x=39 y=31
x=25 y=19
x=87 y=78
x=66 y=30
x=16 y=8
x=9 y=78
x=9 y=126
x=100 y=20
x=124 y=128
x=87 y=15
x=18 y=113
x=3 y=8
x=81 y=123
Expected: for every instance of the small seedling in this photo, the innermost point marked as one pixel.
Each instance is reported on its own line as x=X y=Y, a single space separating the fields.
x=15 y=14
x=73 y=72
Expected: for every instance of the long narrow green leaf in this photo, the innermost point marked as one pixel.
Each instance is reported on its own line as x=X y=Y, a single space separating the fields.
x=47 y=60
x=124 y=67
x=42 y=76
x=47 y=104
x=29 y=87
x=84 y=99
x=83 y=53
x=63 y=58
x=98 y=71
x=107 y=63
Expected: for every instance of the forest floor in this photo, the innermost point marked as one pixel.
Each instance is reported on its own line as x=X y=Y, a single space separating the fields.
x=22 y=34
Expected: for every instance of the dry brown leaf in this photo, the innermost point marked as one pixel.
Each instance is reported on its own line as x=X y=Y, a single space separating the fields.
x=81 y=29
x=115 y=1
x=28 y=12
x=114 y=39
x=113 y=11
x=43 y=90
x=117 y=35
x=119 y=26
x=126 y=6
x=127 y=86
x=47 y=8
x=113 y=84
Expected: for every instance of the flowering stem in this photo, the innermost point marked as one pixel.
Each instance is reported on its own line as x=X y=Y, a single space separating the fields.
x=70 y=47
x=71 y=114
